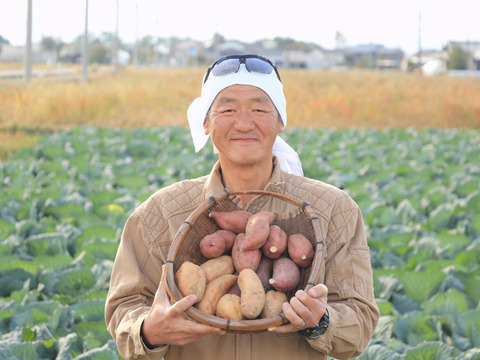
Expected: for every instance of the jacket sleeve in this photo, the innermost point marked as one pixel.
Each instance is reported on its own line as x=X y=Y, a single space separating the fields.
x=349 y=278
x=134 y=280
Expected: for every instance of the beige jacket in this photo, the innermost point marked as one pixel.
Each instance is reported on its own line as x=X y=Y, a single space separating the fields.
x=347 y=273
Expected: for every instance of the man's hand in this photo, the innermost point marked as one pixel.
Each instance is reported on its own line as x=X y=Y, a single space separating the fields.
x=304 y=310
x=166 y=324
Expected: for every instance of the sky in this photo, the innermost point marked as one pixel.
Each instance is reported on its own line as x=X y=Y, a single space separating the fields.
x=390 y=23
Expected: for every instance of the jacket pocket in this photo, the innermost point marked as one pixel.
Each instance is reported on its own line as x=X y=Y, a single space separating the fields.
x=362 y=269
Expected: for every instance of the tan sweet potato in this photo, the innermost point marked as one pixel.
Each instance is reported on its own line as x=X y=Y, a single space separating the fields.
x=228 y=307
x=276 y=242
x=264 y=272
x=244 y=259
x=190 y=279
x=273 y=303
x=217 y=267
x=252 y=299
x=286 y=275
x=214 y=291
x=257 y=230
x=228 y=236
x=300 y=250
x=212 y=246
x=235 y=221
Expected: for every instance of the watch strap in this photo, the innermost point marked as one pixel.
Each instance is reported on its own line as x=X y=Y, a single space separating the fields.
x=319 y=329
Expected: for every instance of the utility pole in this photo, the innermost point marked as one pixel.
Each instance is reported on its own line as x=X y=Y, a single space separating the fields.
x=420 y=41
x=28 y=46
x=116 y=46
x=85 y=45
x=135 y=53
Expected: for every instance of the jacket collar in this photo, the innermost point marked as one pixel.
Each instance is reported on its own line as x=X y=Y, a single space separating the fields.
x=213 y=185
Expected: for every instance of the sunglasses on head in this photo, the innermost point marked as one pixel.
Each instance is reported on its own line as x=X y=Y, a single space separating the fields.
x=231 y=64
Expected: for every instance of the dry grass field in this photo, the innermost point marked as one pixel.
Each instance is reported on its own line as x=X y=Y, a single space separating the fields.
x=151 y=97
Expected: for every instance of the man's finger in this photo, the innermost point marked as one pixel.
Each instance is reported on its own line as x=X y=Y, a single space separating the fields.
x=161 y=293
x=318 y=290
x=180 y=306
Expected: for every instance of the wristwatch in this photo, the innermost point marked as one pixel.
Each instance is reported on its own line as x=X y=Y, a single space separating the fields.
x=320 y=329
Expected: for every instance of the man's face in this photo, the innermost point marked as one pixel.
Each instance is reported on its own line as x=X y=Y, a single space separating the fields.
x=243 y=123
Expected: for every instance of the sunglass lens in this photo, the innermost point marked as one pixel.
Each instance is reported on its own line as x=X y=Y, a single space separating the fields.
x=258 y=66
x=225 y=67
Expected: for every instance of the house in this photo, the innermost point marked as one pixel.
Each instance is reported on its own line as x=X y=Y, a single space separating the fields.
x=11 y=53
x=471 y=49
x=427 y=62
x=374 y=56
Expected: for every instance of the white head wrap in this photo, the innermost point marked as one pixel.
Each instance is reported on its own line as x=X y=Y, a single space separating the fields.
x=197 y=111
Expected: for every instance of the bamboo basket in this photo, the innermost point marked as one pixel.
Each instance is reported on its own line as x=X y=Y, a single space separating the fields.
x=185 y=247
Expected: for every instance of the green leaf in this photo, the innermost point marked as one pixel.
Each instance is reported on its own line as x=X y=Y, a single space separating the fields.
x=431 y=350
x=451 y=302
x=468 y=326
x=47 y=244
x=419 y=286
x=106 y=352
x=452 y=242
x=442 y=217
x=89 y=310
x=378 y=352
x=11 y=350
x=415 y=327
x=75 y=282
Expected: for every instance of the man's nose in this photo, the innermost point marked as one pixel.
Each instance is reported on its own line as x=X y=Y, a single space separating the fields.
x=244 y=121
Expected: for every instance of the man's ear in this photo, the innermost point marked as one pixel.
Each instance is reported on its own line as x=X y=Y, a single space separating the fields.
x=281 y=127
x=205 y=126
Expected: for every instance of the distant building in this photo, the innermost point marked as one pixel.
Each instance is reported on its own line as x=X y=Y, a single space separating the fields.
x=427 y=62
x=471 y=49
x=374 y=56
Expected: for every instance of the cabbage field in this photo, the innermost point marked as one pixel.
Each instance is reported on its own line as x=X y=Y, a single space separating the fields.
x=63 y=203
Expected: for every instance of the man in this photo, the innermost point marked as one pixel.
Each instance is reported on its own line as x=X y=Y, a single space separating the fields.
x=243 y=109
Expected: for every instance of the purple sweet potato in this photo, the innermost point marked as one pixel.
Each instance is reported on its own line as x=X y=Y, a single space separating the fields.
x=264 y=272
x=286 y=275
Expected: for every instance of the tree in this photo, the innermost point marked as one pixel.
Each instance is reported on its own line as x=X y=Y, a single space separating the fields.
x=458 y=58
x=52 y=45
x=99 y=53
x=3 y=41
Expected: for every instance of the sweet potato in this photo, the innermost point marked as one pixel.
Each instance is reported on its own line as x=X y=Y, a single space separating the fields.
x=264 y=272
x=214 y=291
x=273 y=303
x=228 y=236
x=276 y=242
x=252 y=299
x=190 y=279
x=235 y=221
x=217 y=267
x=212 y=246
x=286 y=275
x=228 y=307
x=257 y=230
x=300 y=250
x=244 y=259
x=235 y=289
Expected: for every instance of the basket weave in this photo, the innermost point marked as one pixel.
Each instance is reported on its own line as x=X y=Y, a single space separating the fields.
x=185 y=247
